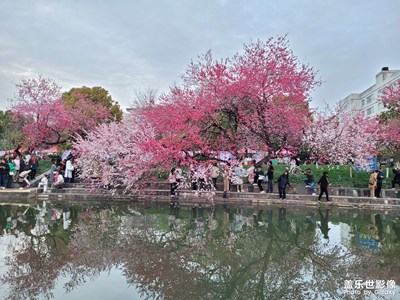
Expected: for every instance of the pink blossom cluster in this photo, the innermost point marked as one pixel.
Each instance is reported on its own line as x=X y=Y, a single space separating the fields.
x=390 y=120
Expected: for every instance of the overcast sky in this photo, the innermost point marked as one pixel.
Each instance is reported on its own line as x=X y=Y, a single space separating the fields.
x=128 y=45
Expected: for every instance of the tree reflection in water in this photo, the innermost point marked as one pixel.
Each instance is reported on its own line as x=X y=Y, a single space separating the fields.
x=197 y=253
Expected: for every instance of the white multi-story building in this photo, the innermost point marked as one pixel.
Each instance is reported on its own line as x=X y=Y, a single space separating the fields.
x=367 y=101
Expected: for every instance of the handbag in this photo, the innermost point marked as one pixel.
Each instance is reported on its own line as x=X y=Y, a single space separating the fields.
x=11 y=173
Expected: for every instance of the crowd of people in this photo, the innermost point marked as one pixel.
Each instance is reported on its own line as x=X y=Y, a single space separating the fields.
x=204 y=176
x=61 y=171
x=375 y=181
x=21 y=168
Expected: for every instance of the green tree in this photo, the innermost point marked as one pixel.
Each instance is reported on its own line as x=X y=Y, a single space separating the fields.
x=9 y=132
x=97 y=95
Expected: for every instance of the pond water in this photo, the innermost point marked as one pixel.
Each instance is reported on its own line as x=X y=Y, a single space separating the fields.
x=133 y=251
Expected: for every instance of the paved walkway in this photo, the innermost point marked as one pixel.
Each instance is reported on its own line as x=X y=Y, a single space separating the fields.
x=159 y=192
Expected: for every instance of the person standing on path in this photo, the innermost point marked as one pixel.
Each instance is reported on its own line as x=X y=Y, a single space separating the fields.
x=283 y=182
x=53 y=169
x=260 y=178
x=227 y=178
x=11 y=173
x=34 y=166
x=323 y=183
x=372 y=183
x=396 y=178
x=172 y=182
x=17 y=166
x=69 y=169
x=379 y=183
x=3 y=173
x=238 y=173
x=270 y=176
x=214 y=173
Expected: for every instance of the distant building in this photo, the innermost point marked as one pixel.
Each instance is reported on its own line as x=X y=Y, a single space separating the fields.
x=367 y=101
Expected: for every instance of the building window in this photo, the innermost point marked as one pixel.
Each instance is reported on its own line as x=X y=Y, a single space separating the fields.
x=369 y=99
x=362 y=103
x=370 y=111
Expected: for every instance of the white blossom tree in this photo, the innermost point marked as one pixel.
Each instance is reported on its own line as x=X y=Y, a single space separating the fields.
x=114 y=155
x=339 y=137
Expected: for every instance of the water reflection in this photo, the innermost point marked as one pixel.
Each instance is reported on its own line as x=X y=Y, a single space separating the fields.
x=323 y=226
x=197 y=252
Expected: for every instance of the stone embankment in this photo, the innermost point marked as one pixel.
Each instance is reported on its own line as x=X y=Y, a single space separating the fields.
x=159 y=192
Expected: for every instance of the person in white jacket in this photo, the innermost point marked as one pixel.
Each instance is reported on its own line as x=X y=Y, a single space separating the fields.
x=69 y=168
x=23 y=179
x=43 y=183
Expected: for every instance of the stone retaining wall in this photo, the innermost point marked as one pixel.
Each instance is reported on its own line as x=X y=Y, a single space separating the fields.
x=159 y=193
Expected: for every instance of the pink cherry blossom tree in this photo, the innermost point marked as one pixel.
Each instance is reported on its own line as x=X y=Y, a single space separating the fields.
x=38 y=109
x=44 y=117
x=257 y=99
x=390 y=119
x=390 y=96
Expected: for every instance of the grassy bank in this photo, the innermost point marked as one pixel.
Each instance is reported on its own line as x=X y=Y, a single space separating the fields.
x=44 y=165
x=339 y=176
